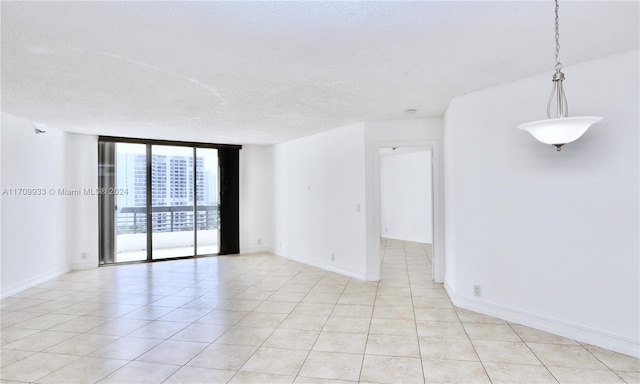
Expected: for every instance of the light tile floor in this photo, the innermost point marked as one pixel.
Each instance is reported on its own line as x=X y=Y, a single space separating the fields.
x=265 y=319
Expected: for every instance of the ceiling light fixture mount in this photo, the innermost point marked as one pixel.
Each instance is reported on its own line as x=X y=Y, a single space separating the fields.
x=39 y=128
x=561 y=129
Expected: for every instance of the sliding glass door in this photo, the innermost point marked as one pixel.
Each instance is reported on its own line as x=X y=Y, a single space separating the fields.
x=162 y=200
x=130 y=195
x=172 y=202
x=207 y=202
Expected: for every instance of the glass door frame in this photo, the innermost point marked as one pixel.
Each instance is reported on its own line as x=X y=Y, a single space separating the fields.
x=167 y=207
x=106 y=178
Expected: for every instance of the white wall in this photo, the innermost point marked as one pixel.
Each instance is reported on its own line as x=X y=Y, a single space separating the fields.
x=551 y=237
x=36 y=229
x=82 y=211
x=33 y=227
x=405 y=192
x=319 y=181
x=319 y=200
x=256 y=196
x=425 y=133
x=45 y=237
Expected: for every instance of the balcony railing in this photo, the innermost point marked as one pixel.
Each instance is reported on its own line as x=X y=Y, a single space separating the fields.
x=167 y=219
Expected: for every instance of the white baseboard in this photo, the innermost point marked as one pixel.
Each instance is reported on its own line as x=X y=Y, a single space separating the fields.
x=319 y=264
x=373 y=275
x=554 y=326
x=32 y=282
x=415 y=239
x=84 y=266
x=261 y=249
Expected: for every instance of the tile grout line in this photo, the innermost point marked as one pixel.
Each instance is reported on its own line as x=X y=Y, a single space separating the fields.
x=413 y=307
x=373 y=309
x=603 y=363
x=472 y=345
x=191 y=323
x=249 y=312
x=164 y=339
x=289 y=314
x=532 y=351
x=321 y=329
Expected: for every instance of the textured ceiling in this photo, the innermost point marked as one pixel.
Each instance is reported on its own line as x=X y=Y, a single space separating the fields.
x=265 y=72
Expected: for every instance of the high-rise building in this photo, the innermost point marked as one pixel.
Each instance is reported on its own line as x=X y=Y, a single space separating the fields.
x=172 y=191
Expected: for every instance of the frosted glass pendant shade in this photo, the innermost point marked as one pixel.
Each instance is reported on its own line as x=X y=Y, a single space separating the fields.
x=560 y=131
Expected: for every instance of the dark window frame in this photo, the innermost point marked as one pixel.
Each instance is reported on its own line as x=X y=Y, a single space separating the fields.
x=228 y=162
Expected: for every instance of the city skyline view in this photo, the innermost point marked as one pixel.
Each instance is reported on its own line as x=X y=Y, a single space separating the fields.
x=178 y=188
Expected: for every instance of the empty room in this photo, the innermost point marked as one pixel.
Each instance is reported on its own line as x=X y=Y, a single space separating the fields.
x=320 y=192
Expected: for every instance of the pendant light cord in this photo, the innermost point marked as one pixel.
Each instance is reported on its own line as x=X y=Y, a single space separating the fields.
x=558 y=63
x=557 y=93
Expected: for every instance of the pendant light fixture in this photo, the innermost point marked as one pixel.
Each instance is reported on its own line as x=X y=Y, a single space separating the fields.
x=560 y=129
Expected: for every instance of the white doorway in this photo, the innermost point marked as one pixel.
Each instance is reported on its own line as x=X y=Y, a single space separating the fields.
x=436 y=218
x=406 y=210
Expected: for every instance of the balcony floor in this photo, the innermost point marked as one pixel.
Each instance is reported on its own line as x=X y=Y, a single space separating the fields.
x=166 y=245
x=167 y=253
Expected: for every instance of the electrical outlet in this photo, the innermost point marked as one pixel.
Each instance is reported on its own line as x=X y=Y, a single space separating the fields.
x=477 y=291
x=84 y=255
x=333 y=257
x=259 y=241
x=386 y=229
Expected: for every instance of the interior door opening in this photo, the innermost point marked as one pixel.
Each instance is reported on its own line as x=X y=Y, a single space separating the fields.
x=406 y=197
